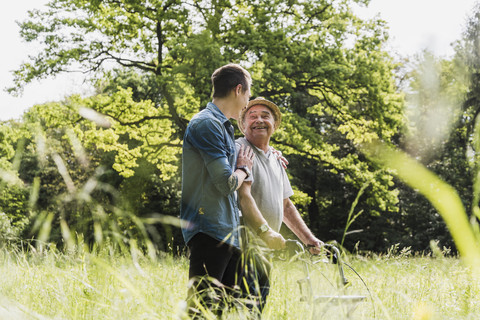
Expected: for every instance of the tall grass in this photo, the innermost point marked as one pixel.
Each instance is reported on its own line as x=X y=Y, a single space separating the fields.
x=83 y=285
x=442 y=196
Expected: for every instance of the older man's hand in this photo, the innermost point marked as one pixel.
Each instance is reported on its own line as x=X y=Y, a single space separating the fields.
x=274 y=240
x=315 y=246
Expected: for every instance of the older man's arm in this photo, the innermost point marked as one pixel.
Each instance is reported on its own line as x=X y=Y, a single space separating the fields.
x=254 y=218
x=294 y=222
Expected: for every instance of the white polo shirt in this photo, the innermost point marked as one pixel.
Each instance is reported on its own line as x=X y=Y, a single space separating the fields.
x=270 y=184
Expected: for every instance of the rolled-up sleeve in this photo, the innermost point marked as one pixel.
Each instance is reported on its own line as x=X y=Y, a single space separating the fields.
x=222 y=176
x=208 y=137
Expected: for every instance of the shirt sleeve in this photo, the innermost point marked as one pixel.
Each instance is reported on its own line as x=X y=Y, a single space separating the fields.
x=208 y=137
x=287 y=188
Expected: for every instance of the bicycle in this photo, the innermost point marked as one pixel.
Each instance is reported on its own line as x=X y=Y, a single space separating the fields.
x=342 y=295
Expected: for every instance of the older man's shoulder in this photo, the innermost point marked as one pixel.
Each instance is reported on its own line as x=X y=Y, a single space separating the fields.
x=242 y=140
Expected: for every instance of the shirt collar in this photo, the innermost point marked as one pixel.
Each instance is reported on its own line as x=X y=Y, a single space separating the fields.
x=266 y=154
x=216 y=112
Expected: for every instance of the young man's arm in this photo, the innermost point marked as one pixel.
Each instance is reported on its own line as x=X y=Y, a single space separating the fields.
x=208 y=138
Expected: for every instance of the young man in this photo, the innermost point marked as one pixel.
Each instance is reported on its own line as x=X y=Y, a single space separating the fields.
x=211 y=174
x=265 y=196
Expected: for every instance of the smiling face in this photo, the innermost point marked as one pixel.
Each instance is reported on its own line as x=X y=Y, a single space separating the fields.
x=259 y=123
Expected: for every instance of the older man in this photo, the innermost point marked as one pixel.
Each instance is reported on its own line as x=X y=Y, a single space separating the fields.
x=264 y=196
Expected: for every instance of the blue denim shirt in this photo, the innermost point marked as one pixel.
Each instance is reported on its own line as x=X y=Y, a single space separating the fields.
x=208 y=202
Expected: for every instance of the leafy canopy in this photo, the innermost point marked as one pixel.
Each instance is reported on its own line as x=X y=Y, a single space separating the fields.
x=323 y=66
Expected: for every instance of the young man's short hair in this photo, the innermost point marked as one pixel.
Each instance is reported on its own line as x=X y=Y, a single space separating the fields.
x=226 y=78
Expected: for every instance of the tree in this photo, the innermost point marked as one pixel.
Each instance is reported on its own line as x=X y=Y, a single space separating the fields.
x=13 y=192
x=325 y=68
x=467 y=133
x=445 y=93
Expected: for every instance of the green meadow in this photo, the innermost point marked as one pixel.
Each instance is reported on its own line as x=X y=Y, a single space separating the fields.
x=82 y=285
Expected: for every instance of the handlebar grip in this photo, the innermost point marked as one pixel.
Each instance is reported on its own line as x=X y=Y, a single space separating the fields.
x=293 y=246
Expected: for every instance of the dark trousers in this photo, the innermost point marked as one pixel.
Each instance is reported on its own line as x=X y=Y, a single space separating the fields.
x=215 y=272
x=256 y=271
x=257 y=276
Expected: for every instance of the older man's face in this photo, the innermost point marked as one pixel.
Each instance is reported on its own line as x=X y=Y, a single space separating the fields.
x=259 y=122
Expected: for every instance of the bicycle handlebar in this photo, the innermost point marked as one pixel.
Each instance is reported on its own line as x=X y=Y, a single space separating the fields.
x=299 y=248
x=295 y=244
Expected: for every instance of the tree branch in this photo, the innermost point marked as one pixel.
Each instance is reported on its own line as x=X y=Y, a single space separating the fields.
x=164 y=144
x=122 y=5
x=130 y=63
x=137 y=122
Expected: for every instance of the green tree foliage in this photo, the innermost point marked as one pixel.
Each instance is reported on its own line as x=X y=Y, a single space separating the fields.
x=467 y=133
x=442 y=109
x=7 y=147
x=153 y=59
x=13 y=192
x=66 y=189
x=435 y=94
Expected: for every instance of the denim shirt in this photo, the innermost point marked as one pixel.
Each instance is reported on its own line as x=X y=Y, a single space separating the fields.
x=208 y=202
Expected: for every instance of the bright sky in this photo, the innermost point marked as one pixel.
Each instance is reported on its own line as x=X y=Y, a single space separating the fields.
x=414 y=26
